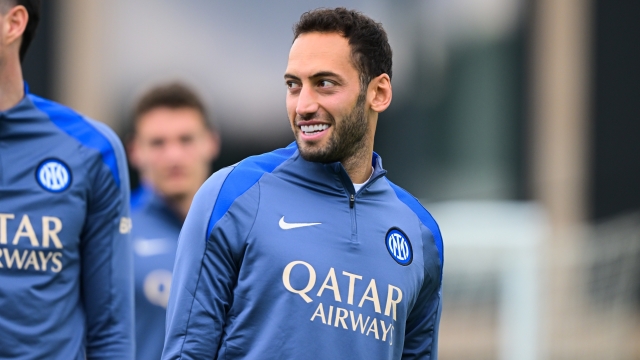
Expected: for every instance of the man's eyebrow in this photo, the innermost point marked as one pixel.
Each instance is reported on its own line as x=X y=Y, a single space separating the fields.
x=325 y=74
x=289 y=76
x=316 y=75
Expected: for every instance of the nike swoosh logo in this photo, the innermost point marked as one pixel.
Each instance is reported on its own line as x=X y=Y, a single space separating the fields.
x=288 y=226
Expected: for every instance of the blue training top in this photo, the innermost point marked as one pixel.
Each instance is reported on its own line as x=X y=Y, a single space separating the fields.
x=280 y=258
x=66 y=285
x=155 y=240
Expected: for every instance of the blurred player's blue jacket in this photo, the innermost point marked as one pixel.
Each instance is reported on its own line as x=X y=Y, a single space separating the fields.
x=155 y=240
x=279 y=258
x=66 y=284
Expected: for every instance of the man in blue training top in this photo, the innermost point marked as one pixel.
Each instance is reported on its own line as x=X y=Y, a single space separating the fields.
x=66 y=282
x=310 y=252
x=172 y=146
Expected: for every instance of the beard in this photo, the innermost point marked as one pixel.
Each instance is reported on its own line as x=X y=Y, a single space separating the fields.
x=347 y=139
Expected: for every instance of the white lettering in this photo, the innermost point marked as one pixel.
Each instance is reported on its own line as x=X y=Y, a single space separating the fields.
x=374 y=296
x=319 y=312
x=355 y=323
x=373 y=327
x=286 y=275
x=330 y=315
x=56 y=260
x=15 y=256
x=386 y=331
x=3 y=226
x=391 y=301
x=341 y=314
x=334 y=285
x=352 y=282
x=49 y=233
x=25 y=229
x=33 y=261
x=44 y=259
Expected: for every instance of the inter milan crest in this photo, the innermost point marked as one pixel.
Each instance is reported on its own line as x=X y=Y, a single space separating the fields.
x=399 y=246
x=53 y=175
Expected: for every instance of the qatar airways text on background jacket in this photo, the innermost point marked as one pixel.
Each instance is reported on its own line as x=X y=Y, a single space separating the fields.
x=279 y=258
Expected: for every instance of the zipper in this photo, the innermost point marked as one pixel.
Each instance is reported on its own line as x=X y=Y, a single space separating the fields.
x=352 y=206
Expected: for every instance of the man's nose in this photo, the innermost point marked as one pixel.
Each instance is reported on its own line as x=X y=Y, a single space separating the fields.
x=307 y=102
x=173 y=151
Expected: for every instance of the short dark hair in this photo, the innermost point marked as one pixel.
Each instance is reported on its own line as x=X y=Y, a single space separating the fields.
x=172 y=95
x=33 y=9
x=370 y=49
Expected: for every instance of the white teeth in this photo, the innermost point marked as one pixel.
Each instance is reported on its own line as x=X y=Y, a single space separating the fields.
x=313 y=128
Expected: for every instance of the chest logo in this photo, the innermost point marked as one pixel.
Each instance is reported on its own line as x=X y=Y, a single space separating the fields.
x=53 y=175
x=399 y=246
x=288 y=226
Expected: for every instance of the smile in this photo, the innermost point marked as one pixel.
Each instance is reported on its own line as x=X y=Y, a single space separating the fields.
x=313 y=129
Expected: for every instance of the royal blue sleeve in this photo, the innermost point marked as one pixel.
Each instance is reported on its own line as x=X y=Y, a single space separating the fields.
x=208 y=259
x=107 y=262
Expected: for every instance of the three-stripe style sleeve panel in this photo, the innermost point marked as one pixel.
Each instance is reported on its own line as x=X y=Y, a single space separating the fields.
x=107 y=263
x=206 y=268
x=421 y=333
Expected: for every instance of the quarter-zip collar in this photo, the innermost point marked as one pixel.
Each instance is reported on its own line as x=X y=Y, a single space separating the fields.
x=347 y=183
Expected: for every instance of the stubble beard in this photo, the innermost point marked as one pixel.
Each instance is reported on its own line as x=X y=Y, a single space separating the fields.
x=347 y=139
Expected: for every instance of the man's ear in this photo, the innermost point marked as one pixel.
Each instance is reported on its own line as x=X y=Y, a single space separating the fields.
x=134 y=153
x=15 y=23
x=380 y=93
x=213 y=145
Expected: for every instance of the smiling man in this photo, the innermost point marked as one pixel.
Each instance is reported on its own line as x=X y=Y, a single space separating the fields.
x=310 y=251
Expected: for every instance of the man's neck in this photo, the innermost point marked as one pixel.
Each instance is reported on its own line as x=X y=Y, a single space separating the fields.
x=11 y=84
x=358 y=166
x=180 y=205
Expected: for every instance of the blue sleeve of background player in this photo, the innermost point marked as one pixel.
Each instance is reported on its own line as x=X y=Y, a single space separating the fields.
x=209 y=253
x=107 y=261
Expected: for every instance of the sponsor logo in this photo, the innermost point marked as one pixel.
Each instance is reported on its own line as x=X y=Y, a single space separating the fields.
x=157 y=285
x=367 y=312
x=399 y=246
x=288 y=226
x=26 y=247
x=53 y=175
x=125 y=225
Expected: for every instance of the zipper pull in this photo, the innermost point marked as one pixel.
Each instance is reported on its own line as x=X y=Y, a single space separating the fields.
x=352 y=201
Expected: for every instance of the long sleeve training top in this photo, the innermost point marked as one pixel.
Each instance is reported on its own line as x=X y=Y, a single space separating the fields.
x=280 y=258
x=66 y=285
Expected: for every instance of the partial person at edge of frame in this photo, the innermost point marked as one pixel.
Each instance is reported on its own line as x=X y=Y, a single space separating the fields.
x=65 y=259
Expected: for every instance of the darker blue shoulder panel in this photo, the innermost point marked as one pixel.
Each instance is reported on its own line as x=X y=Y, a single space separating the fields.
x=422 y=213
x=139 y=197
x=244 y=176
x=77 y=127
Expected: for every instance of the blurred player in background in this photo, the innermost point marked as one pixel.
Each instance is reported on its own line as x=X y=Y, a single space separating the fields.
x=310 y=252
x=173 y=145
x=66 y=284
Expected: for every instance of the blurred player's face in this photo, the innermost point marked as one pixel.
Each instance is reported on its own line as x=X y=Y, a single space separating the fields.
x=173 y=150
x=325 y=104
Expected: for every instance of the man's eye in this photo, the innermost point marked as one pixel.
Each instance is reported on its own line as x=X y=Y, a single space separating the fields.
x=325 y=84
x=292 y=85
x=156 y=143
